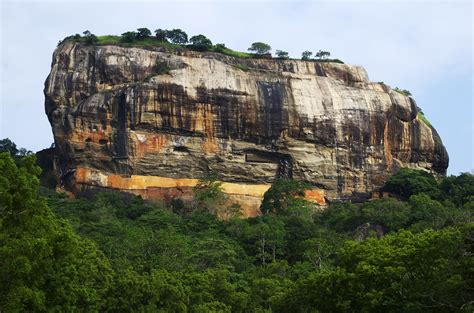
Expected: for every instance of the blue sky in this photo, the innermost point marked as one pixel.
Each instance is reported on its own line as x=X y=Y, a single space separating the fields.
x=422 y=46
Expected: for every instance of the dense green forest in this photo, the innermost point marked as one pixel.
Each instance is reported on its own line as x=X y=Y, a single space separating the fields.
x=114 y=252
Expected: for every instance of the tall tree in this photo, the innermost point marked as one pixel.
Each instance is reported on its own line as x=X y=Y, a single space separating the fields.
x=200 y=43
x=321 y=55
x=401 y=272
x=260 y=48
x=6 y=145
x=208 y=194
x=45 y=266
x=306 y=55
x=458 y=189
x=90 y=38
x=161 y=34
x=282 y=54
x=177 y=36
x=143 y=33
x=407 y=182
x=128 y=37
x=157 y=291
x=267 y=237
x=283 y=197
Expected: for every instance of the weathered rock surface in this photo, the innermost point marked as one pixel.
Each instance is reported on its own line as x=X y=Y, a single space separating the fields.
x=153 y=122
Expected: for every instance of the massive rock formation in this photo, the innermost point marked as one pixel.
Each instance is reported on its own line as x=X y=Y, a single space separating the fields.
x=153 y=122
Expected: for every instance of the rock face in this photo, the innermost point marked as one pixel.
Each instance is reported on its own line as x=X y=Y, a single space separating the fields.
x=153 y=122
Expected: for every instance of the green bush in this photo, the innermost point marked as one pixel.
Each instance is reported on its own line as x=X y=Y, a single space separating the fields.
x=402 y=91
x=208 y=193
x=284 y=197
x=89 y=38
x=407 y=182
x=128 y=37
x=342 y=217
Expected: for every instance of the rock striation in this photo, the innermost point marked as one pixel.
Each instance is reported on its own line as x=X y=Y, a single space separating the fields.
x=153 y=122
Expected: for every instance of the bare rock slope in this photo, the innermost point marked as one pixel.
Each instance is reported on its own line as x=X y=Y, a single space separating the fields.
x=152 y=122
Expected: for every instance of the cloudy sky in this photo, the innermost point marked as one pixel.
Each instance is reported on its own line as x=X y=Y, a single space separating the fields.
x=422 y=46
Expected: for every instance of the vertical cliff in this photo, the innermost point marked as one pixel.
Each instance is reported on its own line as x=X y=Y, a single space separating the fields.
x=153 y=122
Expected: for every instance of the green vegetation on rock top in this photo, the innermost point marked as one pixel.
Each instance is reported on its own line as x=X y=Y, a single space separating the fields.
x=176 y=39
x=152 y=42
x=402 y=91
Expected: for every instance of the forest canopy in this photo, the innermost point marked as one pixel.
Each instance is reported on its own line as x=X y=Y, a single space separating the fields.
x=115 y=252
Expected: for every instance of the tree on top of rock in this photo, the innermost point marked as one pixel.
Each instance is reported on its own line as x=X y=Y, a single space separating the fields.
x=306 y=55
x=282 y=54
x=200 y=42
x=90 y=37
x=322 y=55
x=260 y=48
x=143 y=33
x=161 y=34
x=128 y=37
x=177 y=36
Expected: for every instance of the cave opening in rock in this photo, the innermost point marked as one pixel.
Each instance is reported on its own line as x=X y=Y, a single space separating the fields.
x=283 y=161
x=181 y=149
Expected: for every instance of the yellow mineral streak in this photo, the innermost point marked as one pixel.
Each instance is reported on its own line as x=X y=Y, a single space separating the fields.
x=245 y=189
x=150 y=106
x=103 y=86
x=210 y=146
x=198 y=120
x=387 y=147
x=141 y=182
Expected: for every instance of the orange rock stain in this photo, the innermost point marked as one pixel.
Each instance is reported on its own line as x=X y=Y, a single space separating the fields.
x=152 y=143
x=315 y=196
x=387 y=147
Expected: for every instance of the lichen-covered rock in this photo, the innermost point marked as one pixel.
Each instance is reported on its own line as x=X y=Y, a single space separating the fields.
x=153 y=122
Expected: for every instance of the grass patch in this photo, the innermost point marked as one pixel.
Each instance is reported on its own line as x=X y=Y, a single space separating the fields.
x=232 y=53
x=108 y=40
x=330 y=61
x=153 y=42
x=423 y=118
x=116 y=40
